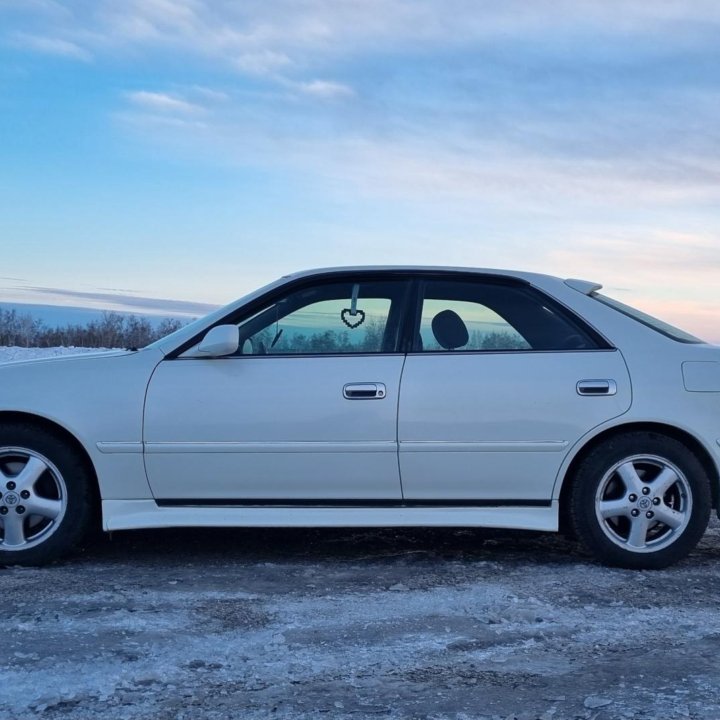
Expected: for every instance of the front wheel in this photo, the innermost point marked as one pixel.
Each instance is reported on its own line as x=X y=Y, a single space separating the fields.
x=640 y=500
x=45 y=496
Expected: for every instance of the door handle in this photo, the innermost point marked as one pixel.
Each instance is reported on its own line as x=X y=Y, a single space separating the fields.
x=364 y=391
x=597 y=387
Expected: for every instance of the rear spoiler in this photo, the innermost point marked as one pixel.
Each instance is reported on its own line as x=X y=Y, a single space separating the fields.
x=584 y=286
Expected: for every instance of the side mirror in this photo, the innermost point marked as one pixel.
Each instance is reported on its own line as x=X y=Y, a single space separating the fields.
x=220 y=340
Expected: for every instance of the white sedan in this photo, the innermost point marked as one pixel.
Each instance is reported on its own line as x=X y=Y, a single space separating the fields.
x=376 y=397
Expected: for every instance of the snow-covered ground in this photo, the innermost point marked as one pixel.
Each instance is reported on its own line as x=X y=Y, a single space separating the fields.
x=12 y=354
x=432 y=624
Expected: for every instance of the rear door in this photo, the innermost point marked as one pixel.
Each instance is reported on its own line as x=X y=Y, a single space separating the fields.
x=502 y=381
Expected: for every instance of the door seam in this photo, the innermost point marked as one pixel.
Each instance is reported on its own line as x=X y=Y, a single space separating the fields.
x=397 y=427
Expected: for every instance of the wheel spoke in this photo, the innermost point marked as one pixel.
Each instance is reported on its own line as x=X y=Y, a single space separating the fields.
x=628 y=474
x=30 y=474
x=44 y=506
x=615 y=508
x=638 y=532
x=664 y=481
x=666 y=515
x=13 y=527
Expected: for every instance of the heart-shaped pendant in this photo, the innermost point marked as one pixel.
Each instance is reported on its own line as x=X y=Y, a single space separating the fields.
x=359 y=315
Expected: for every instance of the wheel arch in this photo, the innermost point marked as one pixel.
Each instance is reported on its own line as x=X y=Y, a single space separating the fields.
x=25 y=418
x=676 y=433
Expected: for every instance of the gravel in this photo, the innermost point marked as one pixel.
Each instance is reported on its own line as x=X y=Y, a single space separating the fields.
x=358 y=624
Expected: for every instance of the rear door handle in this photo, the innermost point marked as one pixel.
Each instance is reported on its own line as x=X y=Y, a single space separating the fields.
x=364 y=391
x=597 y=387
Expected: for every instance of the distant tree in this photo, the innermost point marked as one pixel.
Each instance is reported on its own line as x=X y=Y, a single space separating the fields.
x=374 y=333
x=110 y=330
x=138 y=331
x=165 y=327
x=503 y=341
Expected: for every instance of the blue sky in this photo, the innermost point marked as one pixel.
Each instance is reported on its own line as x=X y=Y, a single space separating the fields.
x=192 y=150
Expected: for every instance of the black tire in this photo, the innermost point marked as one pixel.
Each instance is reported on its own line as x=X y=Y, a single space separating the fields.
x=64 y=487
x=620 y=524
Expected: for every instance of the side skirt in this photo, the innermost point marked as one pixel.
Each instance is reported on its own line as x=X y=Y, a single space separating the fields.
x=135 y=514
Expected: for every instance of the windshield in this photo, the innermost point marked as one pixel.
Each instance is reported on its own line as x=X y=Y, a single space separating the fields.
x=648 y=320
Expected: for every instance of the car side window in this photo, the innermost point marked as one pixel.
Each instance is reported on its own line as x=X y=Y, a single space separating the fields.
x=486 y=330
x=328 y=319
x=485 y=316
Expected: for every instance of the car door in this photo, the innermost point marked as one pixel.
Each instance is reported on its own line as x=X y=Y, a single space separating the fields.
x=305 y=411
x=502 y=381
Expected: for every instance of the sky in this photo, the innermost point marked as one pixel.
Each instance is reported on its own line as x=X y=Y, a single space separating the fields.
x=192 y=150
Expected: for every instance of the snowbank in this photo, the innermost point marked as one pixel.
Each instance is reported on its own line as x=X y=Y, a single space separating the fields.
x=10 y=354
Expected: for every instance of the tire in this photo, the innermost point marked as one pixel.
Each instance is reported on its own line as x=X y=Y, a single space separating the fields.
x=640 y=500
x=40 y=472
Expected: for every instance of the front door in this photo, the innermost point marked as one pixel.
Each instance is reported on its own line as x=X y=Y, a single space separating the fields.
x=305 y=411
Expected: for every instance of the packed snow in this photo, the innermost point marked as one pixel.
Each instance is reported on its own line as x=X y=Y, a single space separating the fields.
x=345 y=624
x=15 y=354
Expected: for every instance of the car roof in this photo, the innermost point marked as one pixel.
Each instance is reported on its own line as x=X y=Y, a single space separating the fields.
x=587 y=287
x=529 y=276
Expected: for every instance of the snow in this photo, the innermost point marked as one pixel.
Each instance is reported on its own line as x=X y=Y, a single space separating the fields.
x=13 y=354
x=345 y=624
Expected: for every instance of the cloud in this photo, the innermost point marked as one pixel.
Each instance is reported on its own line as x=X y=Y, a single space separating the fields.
x=262 y=62
x=264 y=39
x=285 y=28
x=50 y=9
x=163 y=102
x=423 y=162
x=287 y=41
x=324 y=89
x=210 y=94
x=120 y=302
x=508 y=100
x=648 y=252
x=52 y=46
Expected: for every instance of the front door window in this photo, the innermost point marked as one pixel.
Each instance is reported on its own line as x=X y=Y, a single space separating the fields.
x=336 y=318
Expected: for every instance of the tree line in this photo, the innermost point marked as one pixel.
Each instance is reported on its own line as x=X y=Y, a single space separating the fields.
x=369 y=340
x=110 y=330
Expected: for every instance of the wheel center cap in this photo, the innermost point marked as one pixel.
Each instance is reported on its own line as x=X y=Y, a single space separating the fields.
x=644 y=503
x=11 y=499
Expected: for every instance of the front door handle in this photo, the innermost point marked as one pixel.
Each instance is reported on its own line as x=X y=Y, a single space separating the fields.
x=597 y=387
x=364 y=391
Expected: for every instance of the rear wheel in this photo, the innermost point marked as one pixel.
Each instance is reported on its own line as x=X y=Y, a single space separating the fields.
x=45 y=496
x=640 y=500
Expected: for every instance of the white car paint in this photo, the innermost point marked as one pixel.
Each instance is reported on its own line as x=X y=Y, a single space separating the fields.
x=498 y=425
x=493 y=426
x=99 y=400
x=133 y=514
x=272 y=427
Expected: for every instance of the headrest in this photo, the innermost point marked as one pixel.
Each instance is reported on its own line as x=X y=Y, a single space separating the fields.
x=449 y=330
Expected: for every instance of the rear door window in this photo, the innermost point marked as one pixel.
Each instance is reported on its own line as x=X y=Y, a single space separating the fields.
x=485 y=315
